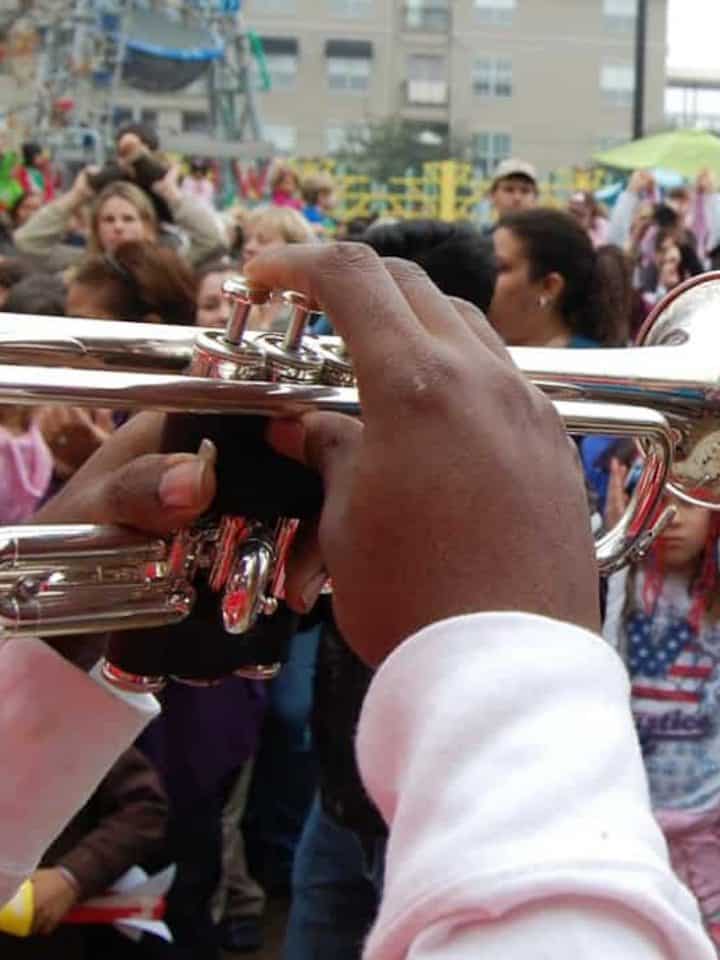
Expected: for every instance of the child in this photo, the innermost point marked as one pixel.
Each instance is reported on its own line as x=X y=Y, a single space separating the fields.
x=318 y=193
x=284 y=187
x=26 y=464
x=663 y=615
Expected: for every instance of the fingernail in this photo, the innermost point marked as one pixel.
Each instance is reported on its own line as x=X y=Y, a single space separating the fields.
x=183 y=485
x=288 y=438
x=207 y=451
x=312 y=589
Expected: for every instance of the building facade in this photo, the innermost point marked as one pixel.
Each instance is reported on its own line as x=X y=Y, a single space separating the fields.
x=551 y=81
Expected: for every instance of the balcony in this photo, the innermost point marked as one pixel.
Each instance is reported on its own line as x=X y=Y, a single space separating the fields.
x=430 y=18
x=426 y=93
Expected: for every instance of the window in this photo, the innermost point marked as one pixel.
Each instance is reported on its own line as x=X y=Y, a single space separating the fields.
x=492 y=78
x=427 y=79
x=427 y=15
x=488 y=150
x=282 y=136
x=281 y=61
x=195 y=121
x=620 y=15
x=282 y=68
x=348 y=74
x=348 y=65
x=498 y=12
x=617 y=83
x=150 y=117
x=351 y=8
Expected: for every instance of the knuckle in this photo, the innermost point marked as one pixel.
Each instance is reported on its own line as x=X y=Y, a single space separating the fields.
x=405 y=271
x=341 y=257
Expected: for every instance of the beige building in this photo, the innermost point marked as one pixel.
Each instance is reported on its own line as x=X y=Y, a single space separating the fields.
x=547 y=80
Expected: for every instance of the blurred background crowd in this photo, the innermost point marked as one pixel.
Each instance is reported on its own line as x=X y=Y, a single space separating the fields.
x=251 y=790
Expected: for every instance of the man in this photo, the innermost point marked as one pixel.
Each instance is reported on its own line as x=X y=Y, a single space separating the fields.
x=496 y=738
x=514 y=187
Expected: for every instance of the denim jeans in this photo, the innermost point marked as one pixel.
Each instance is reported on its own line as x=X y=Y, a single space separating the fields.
x=336 y=891
x=285 y=769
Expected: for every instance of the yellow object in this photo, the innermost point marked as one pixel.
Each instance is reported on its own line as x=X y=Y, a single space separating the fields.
x=446 y=190
x=16 y=916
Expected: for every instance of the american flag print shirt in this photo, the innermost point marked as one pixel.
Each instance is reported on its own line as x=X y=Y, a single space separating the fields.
x=675 y=688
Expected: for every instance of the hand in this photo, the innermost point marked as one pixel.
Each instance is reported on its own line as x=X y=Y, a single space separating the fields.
x=81 y=192
x=127 y=482
x=705 y=182
x=54 y=896
x=129 y=146
x=167 y=187
x=617 y=499
x=73 y=434
x=458 y=493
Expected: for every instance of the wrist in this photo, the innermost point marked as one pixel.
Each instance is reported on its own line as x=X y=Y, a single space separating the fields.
x=70 y=879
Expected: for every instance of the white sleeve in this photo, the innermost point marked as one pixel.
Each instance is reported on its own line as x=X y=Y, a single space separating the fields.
x=61 y=731
x=501 y=752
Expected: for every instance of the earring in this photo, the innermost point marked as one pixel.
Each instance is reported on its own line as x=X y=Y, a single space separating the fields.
x=542 y=302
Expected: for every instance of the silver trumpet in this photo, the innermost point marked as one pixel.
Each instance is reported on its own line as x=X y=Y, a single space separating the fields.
x=82 y=578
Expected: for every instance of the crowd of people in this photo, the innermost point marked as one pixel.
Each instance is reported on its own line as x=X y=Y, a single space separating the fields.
x=253 y=789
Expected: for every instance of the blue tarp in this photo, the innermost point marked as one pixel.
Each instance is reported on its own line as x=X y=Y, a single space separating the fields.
x=164 y=54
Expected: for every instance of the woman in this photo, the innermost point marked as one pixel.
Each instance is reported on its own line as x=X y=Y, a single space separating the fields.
x=550 y=289
x=121 y=212
x=213 y=310
x=554 y=290
x=139 y=281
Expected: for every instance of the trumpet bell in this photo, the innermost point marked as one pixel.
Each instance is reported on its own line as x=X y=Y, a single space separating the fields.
x=688 y=320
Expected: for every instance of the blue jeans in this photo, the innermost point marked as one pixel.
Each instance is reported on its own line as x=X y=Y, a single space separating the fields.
x=285 y=769
x=335 y=892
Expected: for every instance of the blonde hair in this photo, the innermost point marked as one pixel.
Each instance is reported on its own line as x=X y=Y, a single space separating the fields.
x=314 y=185
x=132 y=195
x=290 y=224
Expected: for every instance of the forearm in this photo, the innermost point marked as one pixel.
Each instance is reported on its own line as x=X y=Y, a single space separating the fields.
x=129 y=810
x=200 y=225
x=501 y=752
x=46 y=228
x=61 y=732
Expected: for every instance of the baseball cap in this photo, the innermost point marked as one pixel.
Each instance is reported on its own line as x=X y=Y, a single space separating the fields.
x=513 y=167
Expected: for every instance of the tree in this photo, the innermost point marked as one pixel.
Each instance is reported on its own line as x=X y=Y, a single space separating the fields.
x=391 y=147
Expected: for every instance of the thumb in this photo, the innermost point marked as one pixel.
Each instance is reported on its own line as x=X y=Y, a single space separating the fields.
x=155 y=493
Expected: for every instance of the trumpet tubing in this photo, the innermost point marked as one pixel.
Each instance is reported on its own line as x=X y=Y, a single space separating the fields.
x=665 y=392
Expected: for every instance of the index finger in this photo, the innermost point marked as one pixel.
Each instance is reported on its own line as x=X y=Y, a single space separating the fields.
x=351 y=285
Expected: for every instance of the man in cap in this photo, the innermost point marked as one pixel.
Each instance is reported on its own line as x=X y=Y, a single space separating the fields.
x=514 y=187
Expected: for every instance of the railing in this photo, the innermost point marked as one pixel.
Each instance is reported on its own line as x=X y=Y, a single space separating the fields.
x=446 y=191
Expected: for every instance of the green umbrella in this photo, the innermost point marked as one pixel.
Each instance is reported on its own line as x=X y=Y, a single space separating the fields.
x=687 y=152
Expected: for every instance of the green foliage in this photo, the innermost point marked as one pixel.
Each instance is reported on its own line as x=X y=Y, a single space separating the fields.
x=391 y=148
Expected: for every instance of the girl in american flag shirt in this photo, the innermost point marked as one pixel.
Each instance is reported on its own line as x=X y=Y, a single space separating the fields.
x=663 y=617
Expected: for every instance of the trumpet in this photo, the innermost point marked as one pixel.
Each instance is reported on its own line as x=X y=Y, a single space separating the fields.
x=83 y=578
